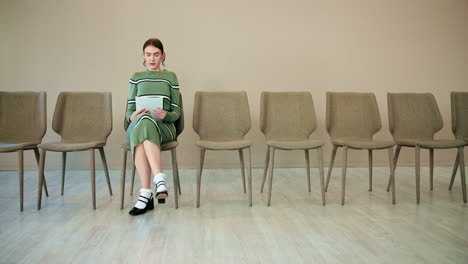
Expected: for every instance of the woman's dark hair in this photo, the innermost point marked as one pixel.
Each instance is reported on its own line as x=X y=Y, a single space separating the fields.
x=155 y=43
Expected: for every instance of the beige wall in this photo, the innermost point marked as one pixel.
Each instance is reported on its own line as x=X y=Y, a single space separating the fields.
x=314 y=45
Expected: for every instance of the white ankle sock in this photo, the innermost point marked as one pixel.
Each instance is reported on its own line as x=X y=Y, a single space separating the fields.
x=145 y=195
x=159 y=180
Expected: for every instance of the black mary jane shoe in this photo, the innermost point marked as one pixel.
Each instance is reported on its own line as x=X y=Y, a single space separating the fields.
x=138 y=211
x=161 y=196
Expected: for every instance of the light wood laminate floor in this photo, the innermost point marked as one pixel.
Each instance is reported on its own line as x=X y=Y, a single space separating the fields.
x=295 y=229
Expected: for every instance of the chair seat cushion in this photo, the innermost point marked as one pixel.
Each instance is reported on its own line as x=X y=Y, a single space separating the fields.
x=300 y=144
x=125 y=146
x=223 y=145
x=69 y=147
x=434 y=144
x=9 y=147
x=406 y=142
x=365 y=144
x=441 y=143
x=166 y=146
x=169 y=145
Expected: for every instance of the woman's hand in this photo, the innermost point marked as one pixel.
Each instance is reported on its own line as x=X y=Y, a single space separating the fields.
x=137 y=112
x=159 y=113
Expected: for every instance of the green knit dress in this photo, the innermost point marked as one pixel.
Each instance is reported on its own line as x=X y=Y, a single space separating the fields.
x=162 y=84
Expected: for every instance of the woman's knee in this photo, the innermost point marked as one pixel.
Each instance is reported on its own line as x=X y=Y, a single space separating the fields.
x=149 y=144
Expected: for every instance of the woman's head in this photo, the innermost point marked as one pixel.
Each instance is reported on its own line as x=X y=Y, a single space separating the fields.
x=153 y=52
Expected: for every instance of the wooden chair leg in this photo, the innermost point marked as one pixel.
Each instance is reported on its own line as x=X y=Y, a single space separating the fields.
x=21 y=177
x=178 y=179
x=64 y=164
x=249 y=177
x=132 y=182
x=431 y=167
x=321 y=172
x=330 y=166
x=265 y=169
x=306 y=151
x=369 y=152
x=343 y=174
x=241 y=158
x=462 y=172
x=93 y=178
x=122 y=178
x=106 y=170
x=271 y=175
x=392 y=173
x=454 y=171
x=41 y=178
x=417 y=159
x=395 y=160
x=175 y=177
x=44 y=184
x=199 y=174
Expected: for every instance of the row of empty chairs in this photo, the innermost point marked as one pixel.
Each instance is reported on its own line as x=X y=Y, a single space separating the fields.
x=82 y=119
x=221 y=119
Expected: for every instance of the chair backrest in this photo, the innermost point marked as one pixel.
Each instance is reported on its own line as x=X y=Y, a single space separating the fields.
x=413 y=116
x=221 y=116
x=23 y=117
x=287 y=115
x=352 y=116
x=179 y=123
x=83 y=116
x=459 y=101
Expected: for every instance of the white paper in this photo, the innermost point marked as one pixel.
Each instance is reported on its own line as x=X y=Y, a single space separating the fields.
x=149 y=103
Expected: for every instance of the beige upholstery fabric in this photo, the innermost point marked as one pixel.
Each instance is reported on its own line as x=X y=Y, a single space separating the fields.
x=414 y=118
x=70 y=147
x=221 y=119
x=300 y=144
x=459 y=102
x=23 y=123
x=224 y=145
x=363 y=144
x=84 y=121
x=10 y=147
x=441 y=144
x=83 y=116
x=287 y=115
x=352 y=116
x=221 y=116
x=22 y=117
x=352 y=119
x=287 y=119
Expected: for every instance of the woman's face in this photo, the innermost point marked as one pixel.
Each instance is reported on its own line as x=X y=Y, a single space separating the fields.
x=153 y=58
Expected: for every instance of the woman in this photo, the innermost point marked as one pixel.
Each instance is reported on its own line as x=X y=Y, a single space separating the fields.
x=149 y=128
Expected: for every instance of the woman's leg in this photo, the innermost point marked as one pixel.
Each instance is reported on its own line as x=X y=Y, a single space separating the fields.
x=143 y=167
x=153 y=153
x=144 y=202
x=153 y=156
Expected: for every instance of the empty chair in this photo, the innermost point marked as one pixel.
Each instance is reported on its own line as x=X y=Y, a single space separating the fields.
x=23 y=123
x=287 y=119
x=414 y=119
x=459 y=102
x=179 y=125
x=221 y=119
x=84 y=121
x=352 y=120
